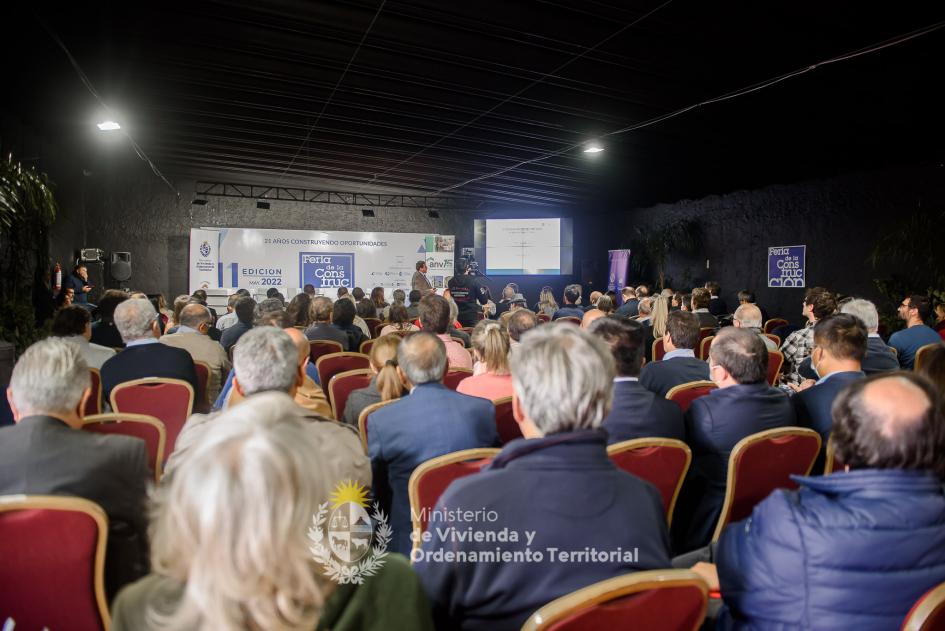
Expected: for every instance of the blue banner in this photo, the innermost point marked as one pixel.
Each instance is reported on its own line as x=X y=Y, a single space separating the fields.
x=787 y=266
x=323 y=269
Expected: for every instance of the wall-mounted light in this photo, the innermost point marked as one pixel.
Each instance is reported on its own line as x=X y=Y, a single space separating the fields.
x=367 y=212
x=199 y=201
x=108 y=126
x=261 y=205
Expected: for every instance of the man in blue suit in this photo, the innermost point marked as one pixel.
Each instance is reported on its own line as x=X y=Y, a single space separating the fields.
x=839 y=347
x=680 y=364
x=636 y=412
x=576 y=518
x=431 y=421
x=744 y=404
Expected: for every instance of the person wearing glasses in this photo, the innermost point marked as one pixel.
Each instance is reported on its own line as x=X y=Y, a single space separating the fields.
x=914 y=310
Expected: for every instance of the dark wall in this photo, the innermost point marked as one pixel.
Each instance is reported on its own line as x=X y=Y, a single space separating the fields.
x=839 y=220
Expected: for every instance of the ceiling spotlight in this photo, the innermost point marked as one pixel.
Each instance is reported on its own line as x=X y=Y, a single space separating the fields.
x=108 y=126
x=261 y=205
x=593 y=148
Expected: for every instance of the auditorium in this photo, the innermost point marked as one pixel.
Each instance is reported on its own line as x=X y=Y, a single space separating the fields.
x=362 y=315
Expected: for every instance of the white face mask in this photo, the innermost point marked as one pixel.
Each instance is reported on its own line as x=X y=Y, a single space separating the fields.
x=814 y=365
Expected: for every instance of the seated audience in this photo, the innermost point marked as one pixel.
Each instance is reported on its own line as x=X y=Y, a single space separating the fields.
x=520 y=322
x=572 y=301
x=700 y=306
x=45 y=453
x=547 y=305
x=399 y=298
x=343 y=313
x=229 y=318
x=455 y=330
x=65 y=298
x=413 y=309
x=74 y=324
x=680 y=364
x=377 y=297
x=592 y=301
x=104 y=332
x=385 y=384
x=506 y=301
x=748 y=316
x=432 y=421
x=268 y=359
x=517 y=303
x=686 y=302
x=556 y=483
x=914 y=310
x=492 y=380
x=322 y=327
x=839 y=348
x=940 y=319
x=744 y=404
x=629 y=308
x=644 y=311
x=636 y=412
x=656 y=327
x=879 y=357
x=818 y=303
x=854 y=550
x=717 y=306
x=191 y=336
x=144 y=356
x=245 y=315
x=747 y=297
x=180 y=302
x=399 y=320
x=300 y=310
x=366 y=309
x=933 y=368
x=230 y=548
x=435 y=319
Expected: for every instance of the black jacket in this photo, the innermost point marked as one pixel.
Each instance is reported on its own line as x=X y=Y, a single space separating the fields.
x=148 y=360
x=638 y=413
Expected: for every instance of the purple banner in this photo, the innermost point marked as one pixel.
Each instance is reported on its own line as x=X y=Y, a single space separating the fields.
x=617 y=280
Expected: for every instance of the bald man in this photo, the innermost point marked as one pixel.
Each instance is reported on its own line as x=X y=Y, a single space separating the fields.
x=850 y=550
x=590 y=315
x=192 y=336
x=748 y=316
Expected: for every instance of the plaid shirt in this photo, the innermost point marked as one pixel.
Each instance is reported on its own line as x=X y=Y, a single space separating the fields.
x=796 y=348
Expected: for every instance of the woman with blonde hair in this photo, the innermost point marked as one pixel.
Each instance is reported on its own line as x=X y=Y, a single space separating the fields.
x=385 y=384
x=493 y=378
x=658 y=314
x=546 y=302
x=399 y=320
x=229 y=543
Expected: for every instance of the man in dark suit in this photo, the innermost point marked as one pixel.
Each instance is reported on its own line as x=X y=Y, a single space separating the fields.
x=245 y=310
x=555 y=488
x=879 y=357
x=680 y=364
x=431 y=421
x=322 y=328
x=743 y=405
x=700 y=307
x=420 y=282
x=144 y=355
x=571 y=308
x=636 y=412
x=839 y=347
x=46 y=454
x=630 y=303
x=717 y=306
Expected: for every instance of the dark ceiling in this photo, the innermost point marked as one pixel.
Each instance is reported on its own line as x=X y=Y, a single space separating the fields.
x=443 y=92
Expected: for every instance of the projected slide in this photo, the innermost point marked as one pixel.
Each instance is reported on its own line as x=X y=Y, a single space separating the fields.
x=523 y=246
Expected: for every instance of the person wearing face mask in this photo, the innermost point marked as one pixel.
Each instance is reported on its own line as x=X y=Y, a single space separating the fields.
x=839 y=348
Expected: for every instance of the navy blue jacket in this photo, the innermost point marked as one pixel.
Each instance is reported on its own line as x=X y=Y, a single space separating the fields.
x=714 y=425
x=565 y=490
x=812 y=407
x=638 y=413
x=76 y=284
x=879 y=358
x=431 y=421
x=148 y=360
x=847 y=551
x=629 y=309
x=661 y=376
x=717 y=307
x=569 y=311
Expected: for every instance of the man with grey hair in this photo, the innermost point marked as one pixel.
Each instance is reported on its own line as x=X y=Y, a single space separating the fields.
x=144 y=356
x=45 y=453
x=579 y=518
x=520 y=322
x=748 y=316
x=191 y=336
x=322 y=328
x=268 y=359
x=431 y=421
x=879 y=356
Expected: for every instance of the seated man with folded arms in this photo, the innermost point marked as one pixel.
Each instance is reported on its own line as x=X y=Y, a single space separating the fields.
x=577 y=519
x=853 y=550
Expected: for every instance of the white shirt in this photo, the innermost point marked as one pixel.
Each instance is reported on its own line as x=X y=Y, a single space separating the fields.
x=679 y=352
x=227 y=320
x=94 y=354
x=619 y=379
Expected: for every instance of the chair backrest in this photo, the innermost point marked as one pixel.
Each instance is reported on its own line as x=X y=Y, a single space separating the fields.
x=454 y=375
x=656 y=600
x=318 y=348
x=706 y=331
x=201 y=402
x=330 y=365
x=376 y=328
x=53 y=551
x=366 y=346
x=928 y=613
x=660 y=461
x=363 y=419
x=685 y=393
x=761 y=463
x=93 y=405
x=373 y=324
x=832 y=463
x=431 y=478
x=774 y=323
x=170 y=400
x=920 y=355
x=704 y=345
x=774 y=338
x=505 y=423
x=658 y=350
x=148 y=428
x=343 y=384
x=569 y=320
x=543 y=317
x=467 y=329
x=775 y=361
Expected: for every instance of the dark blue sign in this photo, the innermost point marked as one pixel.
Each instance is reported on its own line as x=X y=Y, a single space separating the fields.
x=787 y=265
x=324 y=269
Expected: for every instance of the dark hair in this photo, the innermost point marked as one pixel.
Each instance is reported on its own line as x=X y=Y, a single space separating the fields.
x=398 y=314
x=358 y=294
x=342 y=291
x=921 y=303
x=625 y=338
x=343 y=312
x=933 y=367
x=366 y=308
x=683 y=329
x=713 y=287
x=420 y=264
x=109 y=302
x=279 y=319
x=685 y=302
x=309 y=289
x=742 y=353
x=700 y=298
x=435 y=314
x=70 y=320
x=300 y=310
x=822 y=302
x=521 y=321
x=200 y=294
x=572 y=293
x=377 y=297
x=842 y=335
x=272 y=291
x=859 y=435
x=245 y=310
x=746 y=295
x=414 y=296
x=244 y=292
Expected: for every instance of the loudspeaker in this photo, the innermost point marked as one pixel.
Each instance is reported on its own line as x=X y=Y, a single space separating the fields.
x=120 y=268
